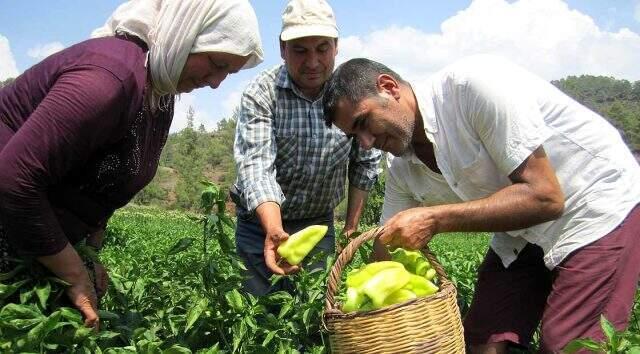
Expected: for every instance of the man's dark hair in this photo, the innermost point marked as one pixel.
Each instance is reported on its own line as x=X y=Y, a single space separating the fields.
x=354 y=81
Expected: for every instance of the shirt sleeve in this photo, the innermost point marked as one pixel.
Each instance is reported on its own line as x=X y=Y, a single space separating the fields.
x=505 y=115
x=77 y=116
x=255 y=149
x=396 y=197
x=363 y=166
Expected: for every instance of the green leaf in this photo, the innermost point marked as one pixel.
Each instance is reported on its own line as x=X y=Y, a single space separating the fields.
x=71 y=314
x=305 y=317
x=8 y=290
x=108 y=335
x=279 y=297
x=10 y=274
x=15 y=311
x=87 y=252
x=212 y=219
x=26 y=295
x=43 y=290
x=227 y=221
x=608 y=330
x=238 y=264
x=211 y=350
x=235 y=300
x=578 y=344
x=634 y=350
x=58 y=280
x=108 y=315
x=285 y=309
x=275 y=279
x=195 y=312
x=181 y=245
x=176 y=349
x=268 y=338
x=37 y=333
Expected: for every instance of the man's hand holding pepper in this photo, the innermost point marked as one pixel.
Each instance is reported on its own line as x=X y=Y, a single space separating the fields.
x=273 y=260
x=271 y=220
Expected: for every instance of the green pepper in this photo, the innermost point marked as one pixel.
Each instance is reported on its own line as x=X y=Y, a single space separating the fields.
x=414 y=261
x=398 y=296
x=384 y=283
x=355 y=300
x=356 y=278
x=298 y=245
x=420 y=285
x=422 y=266
x=367 y=306
x=431 y=273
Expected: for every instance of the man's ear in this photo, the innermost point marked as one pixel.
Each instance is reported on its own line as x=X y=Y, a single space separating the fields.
x=283 y=45
x=386 y=83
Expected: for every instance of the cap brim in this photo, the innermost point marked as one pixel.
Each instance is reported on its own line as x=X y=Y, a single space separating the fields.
x=293 y=32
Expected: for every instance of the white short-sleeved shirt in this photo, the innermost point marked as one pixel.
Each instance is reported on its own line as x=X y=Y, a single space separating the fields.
x=485 y=116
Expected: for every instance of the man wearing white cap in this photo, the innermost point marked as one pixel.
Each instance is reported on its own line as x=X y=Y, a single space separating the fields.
x=291 y=167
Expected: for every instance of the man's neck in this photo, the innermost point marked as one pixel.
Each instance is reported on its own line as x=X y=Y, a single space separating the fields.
x=419 y=137
x=422 y=146
x=310 y=94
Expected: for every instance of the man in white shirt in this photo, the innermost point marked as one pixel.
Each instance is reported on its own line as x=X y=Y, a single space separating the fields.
x=484 y=145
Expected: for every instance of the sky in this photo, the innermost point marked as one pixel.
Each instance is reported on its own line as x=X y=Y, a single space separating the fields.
x=552 y=38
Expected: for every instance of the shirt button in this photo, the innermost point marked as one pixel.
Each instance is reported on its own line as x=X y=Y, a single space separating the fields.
x=515 y=251
x=455 y=184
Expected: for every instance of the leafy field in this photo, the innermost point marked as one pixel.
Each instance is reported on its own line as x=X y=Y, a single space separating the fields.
x=171 y=294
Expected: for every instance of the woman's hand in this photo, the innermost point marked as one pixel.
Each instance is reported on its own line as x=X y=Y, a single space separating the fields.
x=83 y=296
x=101 y=279
x=68 y=266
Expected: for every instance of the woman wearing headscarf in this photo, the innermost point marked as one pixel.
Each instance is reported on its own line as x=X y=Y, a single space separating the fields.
x=81 y=132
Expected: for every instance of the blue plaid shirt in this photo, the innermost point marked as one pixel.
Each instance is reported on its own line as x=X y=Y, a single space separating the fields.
x=286 y=154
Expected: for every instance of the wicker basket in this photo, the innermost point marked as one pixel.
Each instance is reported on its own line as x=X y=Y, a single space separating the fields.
x=424 y=325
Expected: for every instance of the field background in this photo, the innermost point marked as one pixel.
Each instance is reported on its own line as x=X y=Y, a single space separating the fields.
x=175 y=278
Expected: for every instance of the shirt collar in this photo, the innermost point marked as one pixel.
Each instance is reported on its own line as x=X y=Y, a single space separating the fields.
x=425 y=96
x=282 y=78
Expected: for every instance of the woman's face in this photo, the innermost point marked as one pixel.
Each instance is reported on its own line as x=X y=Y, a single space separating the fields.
x=208 y=69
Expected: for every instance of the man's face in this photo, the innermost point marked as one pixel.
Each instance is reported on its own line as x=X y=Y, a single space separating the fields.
x=309 y=61
x=377 y=122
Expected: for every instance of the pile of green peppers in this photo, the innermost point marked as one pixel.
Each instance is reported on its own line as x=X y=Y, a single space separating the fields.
x=407 y=276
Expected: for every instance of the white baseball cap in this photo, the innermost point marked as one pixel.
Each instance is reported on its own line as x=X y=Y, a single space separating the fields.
x=307 y=18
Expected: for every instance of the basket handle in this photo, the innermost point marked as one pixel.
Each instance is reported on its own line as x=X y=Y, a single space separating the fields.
x=345 y=257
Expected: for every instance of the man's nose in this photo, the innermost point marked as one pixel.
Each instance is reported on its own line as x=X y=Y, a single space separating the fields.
x=215 y=80
x=312 y=61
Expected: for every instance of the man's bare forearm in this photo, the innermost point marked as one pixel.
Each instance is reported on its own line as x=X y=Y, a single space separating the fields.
x=270 y=217
x=512 y=208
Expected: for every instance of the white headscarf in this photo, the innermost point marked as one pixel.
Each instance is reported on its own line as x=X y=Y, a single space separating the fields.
x=174 y=28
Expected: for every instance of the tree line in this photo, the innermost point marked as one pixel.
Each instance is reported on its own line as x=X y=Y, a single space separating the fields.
x=195 y=154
